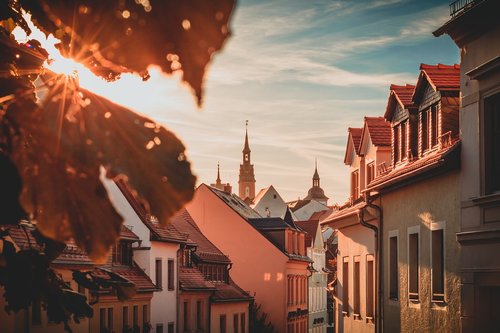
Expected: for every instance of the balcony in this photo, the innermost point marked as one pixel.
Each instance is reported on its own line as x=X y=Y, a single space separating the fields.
x=460 y=6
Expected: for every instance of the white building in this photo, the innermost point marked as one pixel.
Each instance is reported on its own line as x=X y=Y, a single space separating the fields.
x=268 y=203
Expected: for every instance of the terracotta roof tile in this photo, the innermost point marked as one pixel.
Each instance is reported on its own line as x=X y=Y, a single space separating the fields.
x=380 y=131
x=205 y=250
x=133 y=274
x=343 y=212
x=127 y=233
x=442 y=77
x=192 y=278
x=159 y=232
x=402 y=95
x=229 y=291
x=311 y=228
x=356 y=137
x=416 y=167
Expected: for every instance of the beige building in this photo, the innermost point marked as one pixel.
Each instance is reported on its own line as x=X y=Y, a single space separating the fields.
x=475 y=28
x=419 y=199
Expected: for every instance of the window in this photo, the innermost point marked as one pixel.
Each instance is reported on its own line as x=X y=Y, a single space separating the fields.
x=235 y=323
x=186 y=315
x=122 y=253
x=434 y=128
x=413 y=282
x=355 y=184
x=222 y=324
x=199 y=324
x=424 y=130
x=395 y=140
x=110 y=319
x=393 y=268
x=36 y=312
x=370 y=172
x=171 y=268
x=356 y=286
x=404 y=141
x=437 y=243
x=158 y=272
x=492 y=143
x=243 y=323
x=370 y=287
x=289 y=290
x=345 y=285
x=125 y=316
x=171 y=328
x=145 y=314
x=159 y=328
x=135 y=317
x=102 y=319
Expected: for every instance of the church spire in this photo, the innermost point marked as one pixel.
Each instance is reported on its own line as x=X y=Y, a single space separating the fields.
x=218 y=181
x=246 y=179
x=316 y=174
x=246 y=148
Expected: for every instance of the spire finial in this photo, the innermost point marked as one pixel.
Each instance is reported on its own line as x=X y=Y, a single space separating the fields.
x=218 y=173
x=246 y=149
x=316 y=174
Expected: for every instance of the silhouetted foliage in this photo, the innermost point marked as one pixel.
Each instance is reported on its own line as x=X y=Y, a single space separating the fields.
x=54 y=150
x=258 y=320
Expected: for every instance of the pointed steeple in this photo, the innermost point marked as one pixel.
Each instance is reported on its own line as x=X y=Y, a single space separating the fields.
x=316 y=174
x=246 y=179
x=246 y=148
x=218 y=181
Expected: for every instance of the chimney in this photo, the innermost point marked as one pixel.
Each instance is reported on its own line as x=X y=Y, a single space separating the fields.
x=228 y=189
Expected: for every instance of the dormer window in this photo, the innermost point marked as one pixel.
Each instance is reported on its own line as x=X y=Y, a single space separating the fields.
x=355 y=185
x=370 y=172
x=186 y=258
x=429 y=129
x=122 y=253
x=400 y=140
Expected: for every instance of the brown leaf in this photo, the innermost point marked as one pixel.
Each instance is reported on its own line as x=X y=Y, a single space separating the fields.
x=111 y=37
x=60 y=149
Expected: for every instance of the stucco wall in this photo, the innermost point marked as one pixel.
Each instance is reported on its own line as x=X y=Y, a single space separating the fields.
x=258 y=266
x=192 y=298
x=420 y=205
x=230 y=309
x=353 y=240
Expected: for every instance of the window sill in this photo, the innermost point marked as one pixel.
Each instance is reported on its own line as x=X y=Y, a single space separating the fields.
x=345 y=313
x=439 y=305
x=370 y=320
x=356 y=316
x=487 y=199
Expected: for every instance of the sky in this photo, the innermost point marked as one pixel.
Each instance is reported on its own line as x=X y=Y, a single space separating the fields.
x=301 y=73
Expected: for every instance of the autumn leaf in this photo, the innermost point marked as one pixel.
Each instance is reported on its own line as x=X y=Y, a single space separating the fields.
x=112 y=37
x=59 y=152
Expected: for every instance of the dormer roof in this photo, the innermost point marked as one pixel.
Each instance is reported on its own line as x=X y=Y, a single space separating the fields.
x=379 y=131
x=440 y=77
x=401 y=95
x=353 y=143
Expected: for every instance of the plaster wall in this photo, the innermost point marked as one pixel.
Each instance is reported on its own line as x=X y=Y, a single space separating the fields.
x=420 y=206
x=258 y=266
x=353 y=240
x=192 y=298
x=230 y=310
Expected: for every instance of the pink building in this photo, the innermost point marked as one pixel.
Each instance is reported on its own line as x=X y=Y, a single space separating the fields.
x=268 y=254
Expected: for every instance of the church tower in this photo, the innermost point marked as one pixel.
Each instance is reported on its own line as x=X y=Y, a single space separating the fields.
x=316 y=192
x=246 y=181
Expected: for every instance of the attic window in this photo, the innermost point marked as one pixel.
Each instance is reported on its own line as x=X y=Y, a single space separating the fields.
x=275 y=196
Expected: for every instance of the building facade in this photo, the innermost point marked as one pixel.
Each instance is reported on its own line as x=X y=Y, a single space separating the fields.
x=475 y=28
x=246 y=180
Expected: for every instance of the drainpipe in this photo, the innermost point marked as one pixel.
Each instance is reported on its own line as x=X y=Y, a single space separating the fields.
x=379 y=309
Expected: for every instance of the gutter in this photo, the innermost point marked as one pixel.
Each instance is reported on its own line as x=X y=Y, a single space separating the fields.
x=379 y=309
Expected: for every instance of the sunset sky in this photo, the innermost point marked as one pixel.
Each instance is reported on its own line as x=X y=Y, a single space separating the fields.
x=301 y=73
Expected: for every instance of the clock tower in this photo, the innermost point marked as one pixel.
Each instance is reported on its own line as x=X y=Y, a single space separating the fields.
x=246 y=181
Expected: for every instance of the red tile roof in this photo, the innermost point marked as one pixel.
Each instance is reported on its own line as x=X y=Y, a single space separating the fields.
x=344 y=211
x=403 y=95
x=126 y=233
x=417 y=167
x=166 y=233
x=205 y=250
x=311 y=228
x=356 y=137
x=191 y=278
x=379 y=130
x=133 y=274
x=229 y=292
x=442 y=77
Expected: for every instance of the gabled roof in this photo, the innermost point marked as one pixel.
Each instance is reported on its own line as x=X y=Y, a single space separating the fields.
x=353 y=142
x=205 y=250
x=167 y=233
x=191 y=278
x=225 y=292
x=311 y=229
x=233 y=201
x=132 y=273
x=448 y=158
x=401 y=95
x=298 y=204
x=344 y=211
x=440 y=77
x=270 y=223
x=379 y=131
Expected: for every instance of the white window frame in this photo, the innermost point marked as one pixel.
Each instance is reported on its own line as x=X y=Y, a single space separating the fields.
x=441 y=225
x=393 y=233
x=410 y=231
